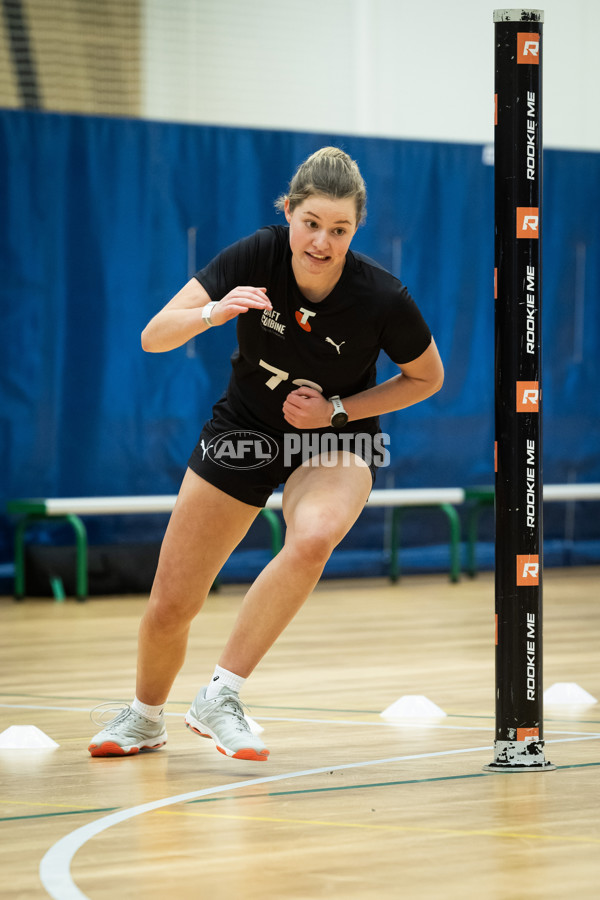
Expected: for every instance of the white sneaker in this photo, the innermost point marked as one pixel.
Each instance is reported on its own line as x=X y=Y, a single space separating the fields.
x=126 y=734
x=222 y=719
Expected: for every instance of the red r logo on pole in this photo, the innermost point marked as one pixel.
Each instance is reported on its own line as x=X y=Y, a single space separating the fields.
x=528 y=571
x=528 y=222
x=528 y=396
x=528 y=48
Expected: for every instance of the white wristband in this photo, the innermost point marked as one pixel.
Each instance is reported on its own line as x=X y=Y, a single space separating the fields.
x=207 y=312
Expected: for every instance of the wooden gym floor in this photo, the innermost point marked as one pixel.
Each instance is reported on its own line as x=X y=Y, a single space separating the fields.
x=348 y=806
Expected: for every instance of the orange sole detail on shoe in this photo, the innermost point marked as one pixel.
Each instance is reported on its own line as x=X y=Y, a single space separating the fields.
x=246 y=753
x=199 y=733
x=109 y=748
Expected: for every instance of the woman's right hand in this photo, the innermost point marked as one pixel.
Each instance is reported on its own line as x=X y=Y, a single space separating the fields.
x=181 y=319
x=238 y=301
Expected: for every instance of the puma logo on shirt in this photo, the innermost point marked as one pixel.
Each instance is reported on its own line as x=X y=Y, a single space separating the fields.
x=337 y=346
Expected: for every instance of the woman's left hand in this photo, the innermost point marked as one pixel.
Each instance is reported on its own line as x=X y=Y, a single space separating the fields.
x=307 y=408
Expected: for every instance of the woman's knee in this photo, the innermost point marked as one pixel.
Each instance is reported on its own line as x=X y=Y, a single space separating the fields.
x=314 y=545
x=173 y=605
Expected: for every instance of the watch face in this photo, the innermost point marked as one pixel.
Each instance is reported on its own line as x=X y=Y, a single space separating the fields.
x=339 y=419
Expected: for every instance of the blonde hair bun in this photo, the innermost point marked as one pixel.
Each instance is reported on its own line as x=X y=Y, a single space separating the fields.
x=331 y=172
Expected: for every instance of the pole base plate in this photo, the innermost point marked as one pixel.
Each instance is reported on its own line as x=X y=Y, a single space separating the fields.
x=519 y=756
x=508 y=769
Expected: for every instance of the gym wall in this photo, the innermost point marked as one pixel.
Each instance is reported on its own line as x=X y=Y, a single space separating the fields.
x=107 y=214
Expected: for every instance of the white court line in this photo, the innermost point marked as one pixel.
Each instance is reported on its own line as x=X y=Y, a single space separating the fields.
x=400 y=723
x=52 y=708
x=55 y=867
x=427 y=723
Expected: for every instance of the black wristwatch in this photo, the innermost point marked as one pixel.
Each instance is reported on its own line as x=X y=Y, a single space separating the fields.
x=339 y=417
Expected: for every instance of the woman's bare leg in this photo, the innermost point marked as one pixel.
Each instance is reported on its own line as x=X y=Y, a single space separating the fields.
x=205 y=527
x=320 y=505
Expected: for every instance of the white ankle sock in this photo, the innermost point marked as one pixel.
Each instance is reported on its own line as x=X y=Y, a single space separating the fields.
x=223 y=677
x=151 y=712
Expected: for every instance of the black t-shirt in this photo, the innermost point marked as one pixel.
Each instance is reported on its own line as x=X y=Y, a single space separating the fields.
x=332 y=345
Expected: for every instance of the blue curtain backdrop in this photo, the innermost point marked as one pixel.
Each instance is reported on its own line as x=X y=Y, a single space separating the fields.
x=103 y=220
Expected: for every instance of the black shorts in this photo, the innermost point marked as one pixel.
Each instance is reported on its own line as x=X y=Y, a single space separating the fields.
x=249 y=462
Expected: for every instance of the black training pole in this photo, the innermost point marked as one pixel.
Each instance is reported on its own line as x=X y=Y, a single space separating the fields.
x=519 y=744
